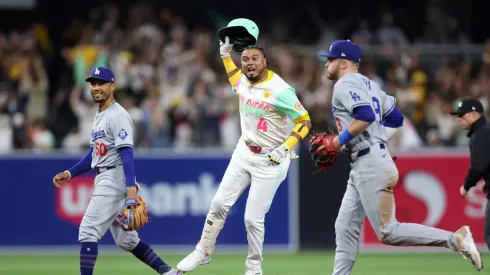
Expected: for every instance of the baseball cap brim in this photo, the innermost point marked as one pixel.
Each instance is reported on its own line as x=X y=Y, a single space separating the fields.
x=329 y=55
x=98 y=78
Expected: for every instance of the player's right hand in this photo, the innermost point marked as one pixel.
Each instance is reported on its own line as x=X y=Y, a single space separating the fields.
x=61 y=178
x=225 y=48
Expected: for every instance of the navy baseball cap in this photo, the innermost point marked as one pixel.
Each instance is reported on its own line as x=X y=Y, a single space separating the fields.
x=344 y=49
x=102 y=73
x=468 y=105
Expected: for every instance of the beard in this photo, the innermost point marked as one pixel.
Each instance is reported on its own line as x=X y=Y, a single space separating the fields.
x=333 y=75
x=255 y=76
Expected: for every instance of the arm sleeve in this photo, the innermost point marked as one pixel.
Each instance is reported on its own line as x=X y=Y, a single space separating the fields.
x=394 y=119
x=364 y=113
x=350 y=95
x=480 y=159
x=128 y=165
x=122 y=129
x=83 y=165
x=288 y=103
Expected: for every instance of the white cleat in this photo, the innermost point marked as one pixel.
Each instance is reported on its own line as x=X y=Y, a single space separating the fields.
x=252 y=272
x=467 y=247
x=173 y=271
x=197 y=257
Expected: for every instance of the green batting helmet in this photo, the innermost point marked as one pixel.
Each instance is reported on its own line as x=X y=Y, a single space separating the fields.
x=242 y=33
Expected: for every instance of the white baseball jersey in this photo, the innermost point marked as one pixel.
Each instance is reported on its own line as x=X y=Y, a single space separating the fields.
x=112 y=129
x=353 y=90
x=265 y=108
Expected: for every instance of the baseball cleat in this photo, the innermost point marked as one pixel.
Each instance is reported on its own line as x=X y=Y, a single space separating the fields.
x=467 y=247
x=253 y=272
x=197 y=257
x=173 y=271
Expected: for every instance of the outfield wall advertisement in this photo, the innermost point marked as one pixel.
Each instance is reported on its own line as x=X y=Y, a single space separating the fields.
x=178 y=188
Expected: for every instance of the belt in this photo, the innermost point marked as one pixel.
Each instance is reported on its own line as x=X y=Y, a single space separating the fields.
x=254 y=149
x=366 y=151
x=99 y=170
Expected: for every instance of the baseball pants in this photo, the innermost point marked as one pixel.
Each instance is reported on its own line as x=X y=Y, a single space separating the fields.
x=246 y=168
x=369 y=194
x=103 y=210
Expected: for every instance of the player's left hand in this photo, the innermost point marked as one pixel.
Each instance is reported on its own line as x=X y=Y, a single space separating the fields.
x=277 y=156
x=463 y=192
x=135 y=214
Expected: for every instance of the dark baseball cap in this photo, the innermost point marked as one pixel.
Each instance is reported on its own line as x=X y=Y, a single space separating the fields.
x=468 y=105
x=344 y=49
x=102 y=73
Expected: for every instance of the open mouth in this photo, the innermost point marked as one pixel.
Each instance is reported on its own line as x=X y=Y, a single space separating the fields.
x=251 y=70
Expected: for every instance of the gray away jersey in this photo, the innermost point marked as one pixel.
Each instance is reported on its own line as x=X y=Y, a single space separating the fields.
x=353 y=90
x=112 y=129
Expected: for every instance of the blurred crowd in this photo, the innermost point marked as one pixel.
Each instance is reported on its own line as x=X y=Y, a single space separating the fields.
x=171 y=80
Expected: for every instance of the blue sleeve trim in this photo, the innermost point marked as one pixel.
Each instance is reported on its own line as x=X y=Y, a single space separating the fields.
x=364 y=113
x=128 y=165
x=83 y=165
x=394 y=119
x=359 y=105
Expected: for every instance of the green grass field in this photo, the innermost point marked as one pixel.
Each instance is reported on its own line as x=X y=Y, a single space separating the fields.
x=311 y=263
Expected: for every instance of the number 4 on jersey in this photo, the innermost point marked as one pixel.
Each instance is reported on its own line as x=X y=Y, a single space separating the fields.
x=262 y=125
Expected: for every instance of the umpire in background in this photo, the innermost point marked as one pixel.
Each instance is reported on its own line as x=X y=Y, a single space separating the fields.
x=470 y=115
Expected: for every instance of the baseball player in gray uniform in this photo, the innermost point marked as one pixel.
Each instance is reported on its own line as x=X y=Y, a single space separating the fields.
x=111 y=155
x=362 y=112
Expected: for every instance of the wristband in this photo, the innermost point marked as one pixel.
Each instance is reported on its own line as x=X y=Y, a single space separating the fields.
x=345 y=137
x=69 y=173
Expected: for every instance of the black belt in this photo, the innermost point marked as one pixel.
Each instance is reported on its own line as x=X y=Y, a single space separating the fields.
x=366 y=151
x=99 y=170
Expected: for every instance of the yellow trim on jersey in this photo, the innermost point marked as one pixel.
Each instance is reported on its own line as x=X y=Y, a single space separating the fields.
x=305 y=116
x=231 y=69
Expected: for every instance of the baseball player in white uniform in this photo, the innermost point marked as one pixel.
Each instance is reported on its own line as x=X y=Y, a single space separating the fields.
x=262 y=155
x=363 y=111
x=111 y=155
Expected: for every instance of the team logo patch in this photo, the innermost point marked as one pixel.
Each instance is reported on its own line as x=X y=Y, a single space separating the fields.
x=123 y=134
x=298 y=106
x=267 y=94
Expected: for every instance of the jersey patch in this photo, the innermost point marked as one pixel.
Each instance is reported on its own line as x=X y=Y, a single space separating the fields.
x=298 y=106
x=123 y=134
x=267 y=94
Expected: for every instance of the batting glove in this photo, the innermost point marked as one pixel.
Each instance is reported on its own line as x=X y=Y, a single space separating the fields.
x=278 y=155
x=225 y=48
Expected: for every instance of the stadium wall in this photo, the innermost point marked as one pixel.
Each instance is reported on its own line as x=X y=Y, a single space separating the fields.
x=180 y=185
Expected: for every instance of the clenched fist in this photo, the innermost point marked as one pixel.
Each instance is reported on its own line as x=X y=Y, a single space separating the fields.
x=61 y=178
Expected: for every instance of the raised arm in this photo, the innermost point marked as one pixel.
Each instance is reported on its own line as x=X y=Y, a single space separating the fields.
x=233 y=72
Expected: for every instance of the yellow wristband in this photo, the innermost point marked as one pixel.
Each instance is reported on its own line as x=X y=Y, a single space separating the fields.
x=291 y=141
x=301 y=130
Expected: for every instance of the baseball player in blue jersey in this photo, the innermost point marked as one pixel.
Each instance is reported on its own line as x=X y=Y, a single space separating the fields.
x=111 y=155
x=364 y=113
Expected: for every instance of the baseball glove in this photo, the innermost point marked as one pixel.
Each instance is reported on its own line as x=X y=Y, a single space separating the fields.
x=322 y=151
x=135 y=214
